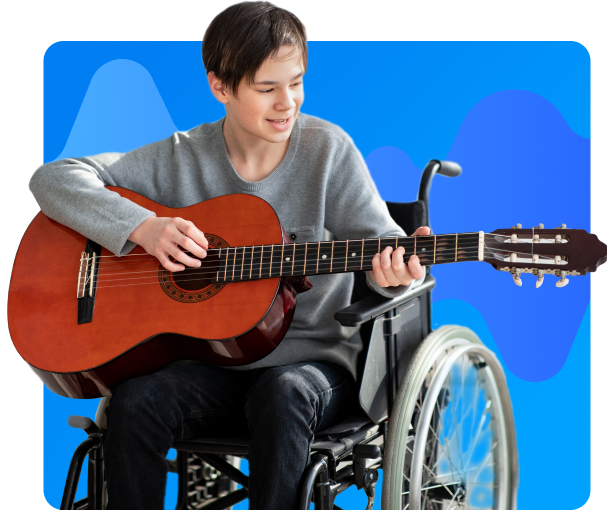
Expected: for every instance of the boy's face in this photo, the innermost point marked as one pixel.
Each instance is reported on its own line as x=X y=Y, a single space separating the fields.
x=267 y=108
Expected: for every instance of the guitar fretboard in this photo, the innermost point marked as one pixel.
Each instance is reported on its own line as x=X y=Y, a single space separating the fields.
x=243 y=263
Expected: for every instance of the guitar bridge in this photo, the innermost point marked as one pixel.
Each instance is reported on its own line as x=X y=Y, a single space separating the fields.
x=87 y=281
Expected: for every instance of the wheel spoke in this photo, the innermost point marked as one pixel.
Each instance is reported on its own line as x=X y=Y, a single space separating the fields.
x=478 y=431
x=454 y=416
x=489 y=454
x=453 y=499
x=446 y=448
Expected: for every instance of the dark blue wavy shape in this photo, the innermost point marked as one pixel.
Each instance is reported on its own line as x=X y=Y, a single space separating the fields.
x=522 y=164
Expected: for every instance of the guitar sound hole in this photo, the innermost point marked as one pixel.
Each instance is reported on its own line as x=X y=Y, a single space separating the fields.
x=193 y=279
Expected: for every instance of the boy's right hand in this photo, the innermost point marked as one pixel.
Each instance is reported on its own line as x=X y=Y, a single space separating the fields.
x=162 y=237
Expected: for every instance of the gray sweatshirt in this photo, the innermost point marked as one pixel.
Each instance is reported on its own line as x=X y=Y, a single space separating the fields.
x=321 y=188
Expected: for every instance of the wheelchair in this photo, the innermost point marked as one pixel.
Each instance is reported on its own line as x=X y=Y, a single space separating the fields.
x=435 y=414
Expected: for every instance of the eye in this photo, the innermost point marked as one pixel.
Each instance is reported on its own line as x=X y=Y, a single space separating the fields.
x=296 y=84
x=266 y=91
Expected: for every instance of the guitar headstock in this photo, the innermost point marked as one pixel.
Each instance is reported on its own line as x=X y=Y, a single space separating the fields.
x=560 y=251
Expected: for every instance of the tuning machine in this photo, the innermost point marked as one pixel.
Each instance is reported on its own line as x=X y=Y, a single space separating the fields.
x=563 y=281
x=540 y=279
x=516 y=276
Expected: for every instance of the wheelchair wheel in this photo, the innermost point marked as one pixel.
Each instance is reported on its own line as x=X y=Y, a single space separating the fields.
x=451 y=440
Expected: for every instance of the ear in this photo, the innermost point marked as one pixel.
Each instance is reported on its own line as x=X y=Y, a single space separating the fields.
x=217 y=88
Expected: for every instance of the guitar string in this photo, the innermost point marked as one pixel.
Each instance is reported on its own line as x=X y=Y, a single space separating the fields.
x=192 y=272
x=149 y=258
x=430 y=239
x=204 y=272
x=247 y=256
x=212 y=269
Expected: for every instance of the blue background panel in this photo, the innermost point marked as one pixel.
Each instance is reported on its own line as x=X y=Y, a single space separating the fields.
x=514 y=115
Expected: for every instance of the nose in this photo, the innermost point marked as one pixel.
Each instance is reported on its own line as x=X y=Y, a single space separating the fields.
x=286 y=100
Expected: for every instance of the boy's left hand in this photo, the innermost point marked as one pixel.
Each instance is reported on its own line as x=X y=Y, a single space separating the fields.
x=389 y=268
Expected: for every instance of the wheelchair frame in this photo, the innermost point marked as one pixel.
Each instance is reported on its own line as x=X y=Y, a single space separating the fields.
x=341 y=457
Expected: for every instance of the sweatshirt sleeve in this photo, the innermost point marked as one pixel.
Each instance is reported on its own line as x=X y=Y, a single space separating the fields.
x=72 y=191
x=356 y=210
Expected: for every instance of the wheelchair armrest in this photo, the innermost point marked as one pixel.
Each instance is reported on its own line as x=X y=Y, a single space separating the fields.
x=375 y=305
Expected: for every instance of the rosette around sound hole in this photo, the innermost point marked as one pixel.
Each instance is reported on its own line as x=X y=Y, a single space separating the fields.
x=195 y=284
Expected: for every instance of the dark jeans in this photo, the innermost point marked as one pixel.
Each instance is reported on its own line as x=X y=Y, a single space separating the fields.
x=280 y=408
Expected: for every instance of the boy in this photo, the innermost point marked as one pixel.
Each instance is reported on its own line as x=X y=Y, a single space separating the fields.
x=309 y=170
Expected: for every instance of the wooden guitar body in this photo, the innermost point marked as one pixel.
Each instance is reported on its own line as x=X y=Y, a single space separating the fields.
x=145 y=320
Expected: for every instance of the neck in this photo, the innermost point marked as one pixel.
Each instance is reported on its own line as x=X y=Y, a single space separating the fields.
x=243 y=263
x=252 y=157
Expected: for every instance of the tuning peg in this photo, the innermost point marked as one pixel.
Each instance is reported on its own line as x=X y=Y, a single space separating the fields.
x=540 y=279
x=562 y=226
x=563 y=281
x=518 y=225
x=517 y=278
x=541 y=225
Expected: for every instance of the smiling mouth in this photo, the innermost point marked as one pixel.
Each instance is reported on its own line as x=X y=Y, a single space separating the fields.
x=279 y=121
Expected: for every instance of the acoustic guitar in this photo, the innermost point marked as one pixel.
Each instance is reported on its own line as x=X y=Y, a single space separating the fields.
x=86 y=320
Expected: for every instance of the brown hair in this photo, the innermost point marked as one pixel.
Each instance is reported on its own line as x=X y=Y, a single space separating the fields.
x=243 y=36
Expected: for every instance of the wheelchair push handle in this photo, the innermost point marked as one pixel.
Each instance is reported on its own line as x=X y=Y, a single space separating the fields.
x=84 y=423
x=449 y=169
x=435 y=166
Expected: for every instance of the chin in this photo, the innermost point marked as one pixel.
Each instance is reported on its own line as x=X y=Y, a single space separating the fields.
x=277 y=137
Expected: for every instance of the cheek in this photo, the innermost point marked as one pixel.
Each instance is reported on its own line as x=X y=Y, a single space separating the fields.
x=258 y=110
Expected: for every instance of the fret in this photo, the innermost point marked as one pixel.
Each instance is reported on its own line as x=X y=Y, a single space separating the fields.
x=260 y=262
x=293 y=261
x=225 y=275
x=251 y=263
x=434 y=259
x=234 y=264
x=331 y=267
x=299 y=255
x=282 y=256
x=318 y=257
x=455 y=247
x=266 y=261
x=271 y=261
x=219 y=257
x=362 y=253
x=305 y=259
x=242 y=264
x=346 y=262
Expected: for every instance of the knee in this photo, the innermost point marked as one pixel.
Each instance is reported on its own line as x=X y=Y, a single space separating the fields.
x=281 y=392
x=132 y=401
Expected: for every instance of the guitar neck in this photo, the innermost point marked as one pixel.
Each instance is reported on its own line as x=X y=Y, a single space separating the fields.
x=245 y=263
